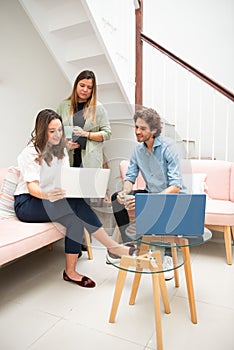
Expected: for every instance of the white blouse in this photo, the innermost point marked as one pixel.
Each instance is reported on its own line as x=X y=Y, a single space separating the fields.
x=30 y=170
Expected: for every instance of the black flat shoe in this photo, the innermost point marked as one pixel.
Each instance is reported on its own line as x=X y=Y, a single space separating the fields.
x=85 y=281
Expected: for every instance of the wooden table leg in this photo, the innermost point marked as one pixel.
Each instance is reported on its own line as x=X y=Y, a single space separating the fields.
x=157 y=311
x=162 y=283
x=135 y=287
x=154 y=263
x=189 y=282
x=232 y=232
x=228 y=244
x=118 y=292
x=175 y=263
x=88 y=244
x=137 y=278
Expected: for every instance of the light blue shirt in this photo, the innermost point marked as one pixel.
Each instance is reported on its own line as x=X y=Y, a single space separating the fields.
x=160 y=169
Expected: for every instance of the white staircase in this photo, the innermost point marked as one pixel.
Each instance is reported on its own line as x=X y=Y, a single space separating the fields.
x=69 y=31
x=80 y=34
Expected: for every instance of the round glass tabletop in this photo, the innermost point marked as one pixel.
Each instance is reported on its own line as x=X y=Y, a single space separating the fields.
x=168 y=240
x=147 y=259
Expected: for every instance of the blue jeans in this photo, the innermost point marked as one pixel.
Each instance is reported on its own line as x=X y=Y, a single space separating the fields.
x=72 y=213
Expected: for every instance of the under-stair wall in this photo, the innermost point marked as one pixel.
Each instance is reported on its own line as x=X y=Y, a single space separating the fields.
x=71 y=34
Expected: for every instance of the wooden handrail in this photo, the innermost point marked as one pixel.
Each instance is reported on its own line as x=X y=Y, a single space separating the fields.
x=139 y=53
x=229 y=94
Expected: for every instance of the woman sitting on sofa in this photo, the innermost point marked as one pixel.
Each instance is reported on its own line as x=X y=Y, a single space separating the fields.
x=38 y=199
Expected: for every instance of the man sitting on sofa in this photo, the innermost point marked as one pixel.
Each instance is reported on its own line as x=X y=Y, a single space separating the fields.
x=158 y=161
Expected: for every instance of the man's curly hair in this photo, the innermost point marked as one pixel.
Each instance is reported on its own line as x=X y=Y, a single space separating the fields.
x=151 y=117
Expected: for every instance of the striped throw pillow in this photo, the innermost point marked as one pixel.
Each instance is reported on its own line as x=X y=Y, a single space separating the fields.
x=7 y=191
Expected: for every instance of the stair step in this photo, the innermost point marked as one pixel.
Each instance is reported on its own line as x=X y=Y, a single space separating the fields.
x=73 y=31
x=113 y=94
x=67 y=28
x=105 y=85
x=83 y=47
x=63 y=14
x=88 y=61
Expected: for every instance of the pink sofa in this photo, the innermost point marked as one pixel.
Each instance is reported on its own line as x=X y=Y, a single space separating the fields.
x=219 y=186
x=19 y=238
x=220 y=203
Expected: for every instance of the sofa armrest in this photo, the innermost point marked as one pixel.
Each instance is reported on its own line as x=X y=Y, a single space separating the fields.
x=232 y=183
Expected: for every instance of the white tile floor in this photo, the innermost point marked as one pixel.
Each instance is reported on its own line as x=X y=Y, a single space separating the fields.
x=38 y=310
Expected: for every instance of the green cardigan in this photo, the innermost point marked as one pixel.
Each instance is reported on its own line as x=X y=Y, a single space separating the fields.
x=92 y=156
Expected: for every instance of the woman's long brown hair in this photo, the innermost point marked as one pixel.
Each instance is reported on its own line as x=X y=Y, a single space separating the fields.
x=39 y=137
x=90 y=105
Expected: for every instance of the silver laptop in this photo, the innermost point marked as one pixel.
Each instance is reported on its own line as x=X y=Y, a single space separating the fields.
x=84 y=182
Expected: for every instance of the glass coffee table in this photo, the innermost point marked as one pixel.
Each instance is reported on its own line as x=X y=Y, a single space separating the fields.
x=146 y=260
x=175 y=242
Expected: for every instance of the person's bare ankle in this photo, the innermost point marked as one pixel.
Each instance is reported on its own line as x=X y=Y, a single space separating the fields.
x=119 y=251
x=73 y=274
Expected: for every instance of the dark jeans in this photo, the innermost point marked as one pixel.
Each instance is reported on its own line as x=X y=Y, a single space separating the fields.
x=72 y=213
x=121 y=214
x=122 y=218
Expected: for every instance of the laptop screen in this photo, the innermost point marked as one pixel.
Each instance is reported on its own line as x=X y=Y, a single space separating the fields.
x=83 y=182
x=170 y=214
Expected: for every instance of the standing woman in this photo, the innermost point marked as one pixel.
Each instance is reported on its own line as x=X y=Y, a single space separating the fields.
x=38 y=197
x=86 y=121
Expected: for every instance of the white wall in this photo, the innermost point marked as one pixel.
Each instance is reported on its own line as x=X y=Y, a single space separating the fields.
x=200 y=32
x=30 y=80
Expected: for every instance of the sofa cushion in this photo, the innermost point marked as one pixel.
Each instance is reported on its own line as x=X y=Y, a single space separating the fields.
x=219 y=212
x=13 y=230
x=7 y=190
x=218 y=177
x=195 y=183
x=18 y=238
x=232 y=183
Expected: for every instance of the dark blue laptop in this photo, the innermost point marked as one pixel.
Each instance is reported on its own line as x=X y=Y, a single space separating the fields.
x=170 y=214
